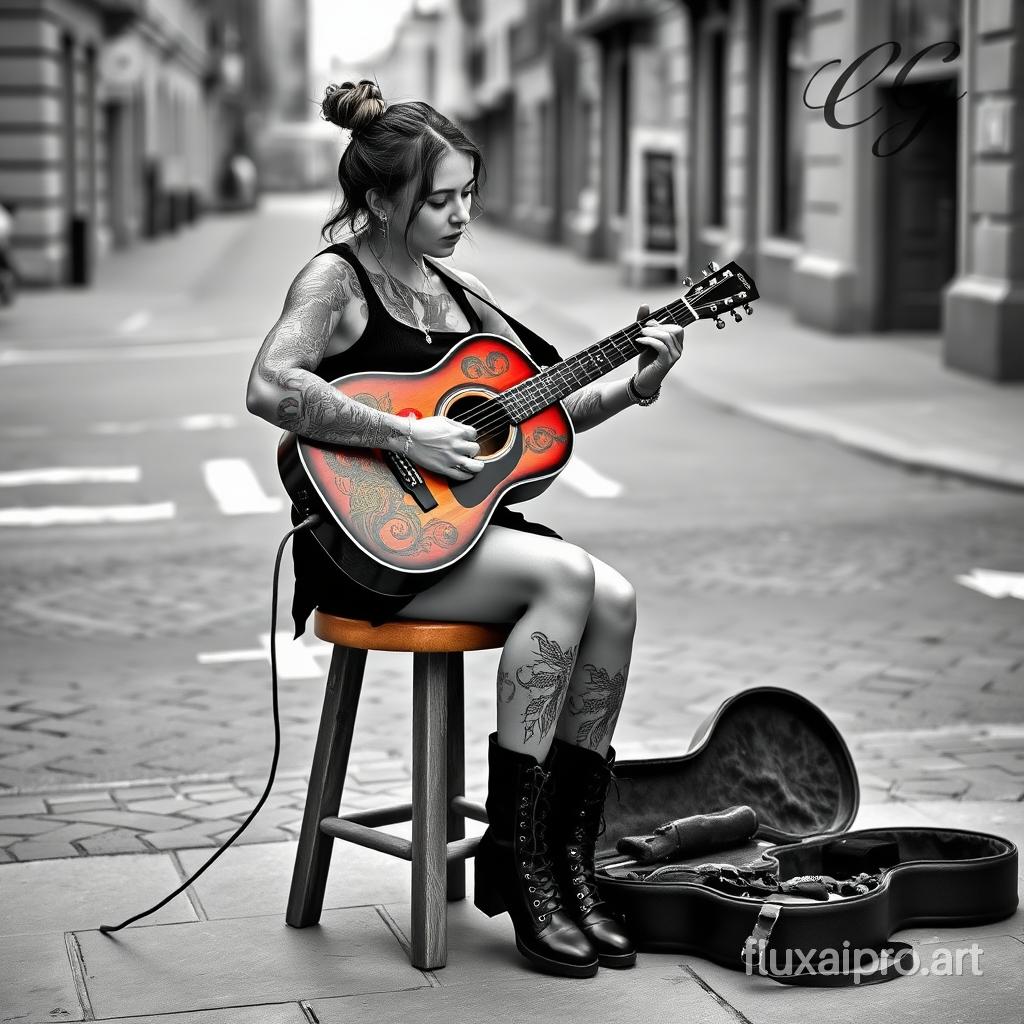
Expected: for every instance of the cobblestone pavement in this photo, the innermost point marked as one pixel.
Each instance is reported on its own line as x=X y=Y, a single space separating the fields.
x=930 y=704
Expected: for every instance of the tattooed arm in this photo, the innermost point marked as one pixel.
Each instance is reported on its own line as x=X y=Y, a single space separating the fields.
x=597 y=402
x=282 y=385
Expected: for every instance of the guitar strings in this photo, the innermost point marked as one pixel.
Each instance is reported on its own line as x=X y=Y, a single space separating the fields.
x=493 y=421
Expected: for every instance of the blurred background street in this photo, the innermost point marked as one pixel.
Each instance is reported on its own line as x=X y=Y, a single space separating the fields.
x=827 y=497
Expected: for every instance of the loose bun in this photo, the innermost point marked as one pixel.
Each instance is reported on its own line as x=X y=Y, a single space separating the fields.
x=352 y=105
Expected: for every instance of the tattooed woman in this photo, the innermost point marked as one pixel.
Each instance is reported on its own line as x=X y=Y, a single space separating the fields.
x=409 y=178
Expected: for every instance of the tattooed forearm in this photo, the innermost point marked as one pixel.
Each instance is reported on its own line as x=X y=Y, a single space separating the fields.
x=541 y=684
x=601 y=702
x=298 y=399
x=596 y=402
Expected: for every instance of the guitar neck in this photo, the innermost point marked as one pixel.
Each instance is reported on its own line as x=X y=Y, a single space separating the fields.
x=556 y=382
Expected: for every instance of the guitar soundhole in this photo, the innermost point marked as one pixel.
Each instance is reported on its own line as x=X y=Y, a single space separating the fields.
x=494 y=432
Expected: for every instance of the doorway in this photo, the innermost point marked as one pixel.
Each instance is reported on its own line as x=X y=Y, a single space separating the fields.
x=919 y=207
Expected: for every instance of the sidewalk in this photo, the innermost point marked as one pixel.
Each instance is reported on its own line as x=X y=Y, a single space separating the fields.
x=224 y=954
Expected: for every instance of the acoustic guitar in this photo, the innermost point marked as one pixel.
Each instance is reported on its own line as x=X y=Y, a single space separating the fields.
x=396 y=528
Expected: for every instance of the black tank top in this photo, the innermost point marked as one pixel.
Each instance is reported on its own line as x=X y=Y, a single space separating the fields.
x=387 y=345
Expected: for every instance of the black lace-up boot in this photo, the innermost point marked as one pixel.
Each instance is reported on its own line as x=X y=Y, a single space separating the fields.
x=513 y=869
x=580 y=778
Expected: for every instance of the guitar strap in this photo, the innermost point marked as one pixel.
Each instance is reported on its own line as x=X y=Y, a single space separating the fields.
x=542 y=351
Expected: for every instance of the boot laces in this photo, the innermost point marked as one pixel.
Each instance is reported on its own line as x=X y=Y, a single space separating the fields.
x=543 y=890
x=590 y=826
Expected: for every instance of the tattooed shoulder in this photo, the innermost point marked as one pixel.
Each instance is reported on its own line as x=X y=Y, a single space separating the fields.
x=315 y=303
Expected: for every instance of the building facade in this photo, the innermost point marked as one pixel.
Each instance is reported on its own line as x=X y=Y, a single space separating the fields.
x=864 y=159
x=111 y=125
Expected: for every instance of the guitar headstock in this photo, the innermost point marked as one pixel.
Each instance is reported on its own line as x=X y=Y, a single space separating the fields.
x=722 y=290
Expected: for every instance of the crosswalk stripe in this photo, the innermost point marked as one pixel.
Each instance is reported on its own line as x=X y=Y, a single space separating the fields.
x=85 y=515
x=582 y=477
x=70 y=475
x=236 y=489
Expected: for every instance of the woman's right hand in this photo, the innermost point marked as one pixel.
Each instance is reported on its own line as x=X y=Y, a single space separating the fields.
x=445 y=446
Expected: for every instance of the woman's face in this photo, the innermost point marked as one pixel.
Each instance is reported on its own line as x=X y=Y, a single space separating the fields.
x=438 y=226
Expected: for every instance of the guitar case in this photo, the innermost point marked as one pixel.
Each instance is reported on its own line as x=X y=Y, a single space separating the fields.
x=774 y=753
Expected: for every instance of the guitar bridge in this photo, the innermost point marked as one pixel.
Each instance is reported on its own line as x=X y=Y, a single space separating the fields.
x=408 y=476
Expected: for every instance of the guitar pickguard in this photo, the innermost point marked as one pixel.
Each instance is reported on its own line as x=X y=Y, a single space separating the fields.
x=473 y=492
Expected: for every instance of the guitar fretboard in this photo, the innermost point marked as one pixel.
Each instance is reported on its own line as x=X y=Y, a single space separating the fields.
x=556 y=382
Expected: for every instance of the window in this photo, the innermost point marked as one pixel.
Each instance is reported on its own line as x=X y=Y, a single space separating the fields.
x=790 y=75
x=919 y=23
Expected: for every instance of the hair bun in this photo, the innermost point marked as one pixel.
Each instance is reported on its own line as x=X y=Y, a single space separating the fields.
x=353 y=105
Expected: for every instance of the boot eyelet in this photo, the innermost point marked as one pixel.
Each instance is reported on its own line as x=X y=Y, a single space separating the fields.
x=533 y=888
x=536 y=903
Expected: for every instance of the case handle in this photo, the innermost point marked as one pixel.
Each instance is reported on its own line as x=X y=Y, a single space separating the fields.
x=885 y=963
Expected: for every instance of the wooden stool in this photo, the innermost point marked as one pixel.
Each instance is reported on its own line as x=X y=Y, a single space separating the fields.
x=439 y=845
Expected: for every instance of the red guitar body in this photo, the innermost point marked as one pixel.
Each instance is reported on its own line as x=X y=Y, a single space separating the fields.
x=377 y=532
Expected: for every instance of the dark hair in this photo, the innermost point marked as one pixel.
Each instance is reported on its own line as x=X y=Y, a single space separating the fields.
x=391 y=145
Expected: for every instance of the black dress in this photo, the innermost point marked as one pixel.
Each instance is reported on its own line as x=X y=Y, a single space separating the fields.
x=387 y=345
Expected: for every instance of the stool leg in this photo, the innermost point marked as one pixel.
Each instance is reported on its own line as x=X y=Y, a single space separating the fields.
x=456 y=771
x=429 y=811
x=326 y=781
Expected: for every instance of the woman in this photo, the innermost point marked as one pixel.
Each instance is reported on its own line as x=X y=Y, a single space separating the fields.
x=409 y=178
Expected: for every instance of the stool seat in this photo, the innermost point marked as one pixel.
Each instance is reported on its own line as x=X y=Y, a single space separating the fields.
x=412 y=635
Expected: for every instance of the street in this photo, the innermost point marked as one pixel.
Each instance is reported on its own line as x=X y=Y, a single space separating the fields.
x=136 y=586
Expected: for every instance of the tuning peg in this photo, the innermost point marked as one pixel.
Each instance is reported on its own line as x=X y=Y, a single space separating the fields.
x=719 y=322
x=711 y=267
x=687 y=281
x=736 y=315
x=747 y=309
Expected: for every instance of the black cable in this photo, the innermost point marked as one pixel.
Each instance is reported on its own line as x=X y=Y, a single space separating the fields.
x=308 y=523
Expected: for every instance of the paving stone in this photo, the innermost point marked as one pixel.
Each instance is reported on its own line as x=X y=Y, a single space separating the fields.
x=640 y=994
x=255 y=960
x=59 y=895
x=173 y=804
x=113 y=841
x=92 y=803
x=34 y=826
x=118 y=818
x=12 y=806
x=38 y=984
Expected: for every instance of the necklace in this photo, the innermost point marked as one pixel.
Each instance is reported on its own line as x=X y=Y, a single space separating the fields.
x=405 y=301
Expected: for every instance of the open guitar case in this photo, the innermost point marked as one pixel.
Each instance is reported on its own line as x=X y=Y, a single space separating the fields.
x=775 y=752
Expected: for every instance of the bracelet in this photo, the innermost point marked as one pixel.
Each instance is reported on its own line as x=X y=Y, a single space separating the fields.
x=408 y=437
x=636 y=398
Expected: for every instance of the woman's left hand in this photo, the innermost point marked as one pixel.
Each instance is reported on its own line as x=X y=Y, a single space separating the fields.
x=663 y=345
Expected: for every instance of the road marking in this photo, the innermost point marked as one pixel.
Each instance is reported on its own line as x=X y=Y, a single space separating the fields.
x=295 y=659
x=236 y=489
x=85 y=515
x=135 y=322
x=71 y=475
x=197 y=422
x=117 y=353
x=582 y=477
x=994 y=583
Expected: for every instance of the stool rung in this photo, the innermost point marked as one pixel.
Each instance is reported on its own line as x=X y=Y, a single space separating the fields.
x=468 y=809
x=460 y=849
x=365 y=835
x=391 y=815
